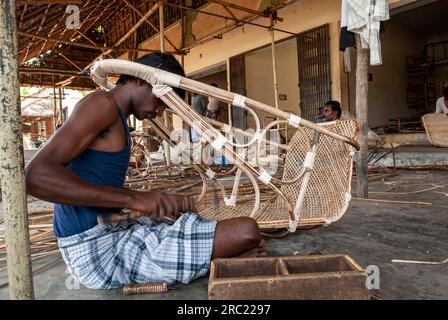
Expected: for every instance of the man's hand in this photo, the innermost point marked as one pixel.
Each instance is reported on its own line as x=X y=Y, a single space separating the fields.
x=161 y=206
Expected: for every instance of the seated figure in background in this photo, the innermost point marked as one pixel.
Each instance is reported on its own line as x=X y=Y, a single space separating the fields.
x=442 y=102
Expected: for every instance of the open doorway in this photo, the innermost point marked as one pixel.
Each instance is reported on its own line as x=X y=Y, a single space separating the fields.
x=414 y=69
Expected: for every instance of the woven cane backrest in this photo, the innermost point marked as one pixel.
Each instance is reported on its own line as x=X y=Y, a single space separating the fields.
x=328 y=191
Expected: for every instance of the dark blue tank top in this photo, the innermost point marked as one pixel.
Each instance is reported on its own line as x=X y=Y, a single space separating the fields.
x=98 y=167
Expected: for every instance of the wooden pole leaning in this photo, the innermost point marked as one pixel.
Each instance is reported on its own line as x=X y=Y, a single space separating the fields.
x=12 y=173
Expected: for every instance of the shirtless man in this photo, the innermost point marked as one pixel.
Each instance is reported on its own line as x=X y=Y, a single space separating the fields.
x=82 y=169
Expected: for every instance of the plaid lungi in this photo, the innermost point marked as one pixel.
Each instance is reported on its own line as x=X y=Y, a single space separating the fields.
x=112 y=255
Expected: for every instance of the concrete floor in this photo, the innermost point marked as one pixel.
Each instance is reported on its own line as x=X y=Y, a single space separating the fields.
x=372 y=233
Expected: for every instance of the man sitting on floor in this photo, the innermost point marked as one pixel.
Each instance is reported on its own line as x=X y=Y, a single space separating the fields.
x=82 y=169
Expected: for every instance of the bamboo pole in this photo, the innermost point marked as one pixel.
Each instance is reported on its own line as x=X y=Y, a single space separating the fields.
x=70 y=43
x=55 y=108
x=362 y=87
x=229 y=88
x=148 y=22
x=166 y=146
x=61 y=113
x=227 y=5
x=88 y=39
x=161 y=27
x=42 y=2
x=225 y=17
x=70 y=61
x=12 y=163
x=274 y=65
x=53 y=72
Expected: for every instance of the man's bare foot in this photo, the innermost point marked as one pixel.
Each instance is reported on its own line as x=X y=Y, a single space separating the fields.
x=260 y=251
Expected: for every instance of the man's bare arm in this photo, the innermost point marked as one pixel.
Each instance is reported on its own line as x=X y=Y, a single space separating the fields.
x=48 y=178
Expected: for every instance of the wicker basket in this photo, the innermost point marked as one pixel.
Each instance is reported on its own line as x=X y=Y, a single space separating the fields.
x=436 y=126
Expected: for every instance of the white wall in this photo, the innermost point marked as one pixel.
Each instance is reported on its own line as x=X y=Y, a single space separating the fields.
x=260 y=79
x=298 y=17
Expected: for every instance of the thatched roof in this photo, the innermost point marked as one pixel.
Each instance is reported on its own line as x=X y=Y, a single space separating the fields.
x=51 y=54
x=42 y=103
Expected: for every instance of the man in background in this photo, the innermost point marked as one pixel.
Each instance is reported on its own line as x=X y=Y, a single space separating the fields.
x=332 y=111
x=442 y=102
x=198 y=105
x=212 y=106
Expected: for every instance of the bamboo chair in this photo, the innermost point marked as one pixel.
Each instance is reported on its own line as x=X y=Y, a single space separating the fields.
x=436 y=127
x=316 y=182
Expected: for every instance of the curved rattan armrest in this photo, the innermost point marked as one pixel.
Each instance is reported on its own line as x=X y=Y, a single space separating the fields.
x=160 y=77
x=354 y=144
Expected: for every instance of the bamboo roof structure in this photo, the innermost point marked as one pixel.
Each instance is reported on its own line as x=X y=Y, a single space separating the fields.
x=50 y=54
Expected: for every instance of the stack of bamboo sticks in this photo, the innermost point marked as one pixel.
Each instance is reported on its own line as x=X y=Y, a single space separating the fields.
x=43 y=243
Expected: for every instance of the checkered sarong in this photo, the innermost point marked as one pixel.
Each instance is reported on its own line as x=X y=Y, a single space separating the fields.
x=112 y=255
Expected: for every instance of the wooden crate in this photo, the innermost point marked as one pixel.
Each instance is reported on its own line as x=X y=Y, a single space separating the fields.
x=295 y=277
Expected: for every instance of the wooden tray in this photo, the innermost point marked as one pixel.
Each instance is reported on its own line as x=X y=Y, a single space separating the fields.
x=295 y=277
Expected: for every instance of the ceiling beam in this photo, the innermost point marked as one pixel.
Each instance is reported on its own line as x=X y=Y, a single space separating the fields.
x=30 y=44
x=30 y=70
x=82 y=45
x=55 y=27
x=244 y=9
x=70 y=61
x=229 y=12
x=229 y=18
x=46 y=2
x=21 y=16
x=149 y=23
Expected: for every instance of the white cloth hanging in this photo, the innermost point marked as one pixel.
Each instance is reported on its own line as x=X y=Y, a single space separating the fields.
x=364 y=17
x=344 y=13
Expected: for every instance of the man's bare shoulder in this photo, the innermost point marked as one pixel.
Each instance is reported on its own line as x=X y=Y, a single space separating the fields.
x=97 y=105
x=97 y=99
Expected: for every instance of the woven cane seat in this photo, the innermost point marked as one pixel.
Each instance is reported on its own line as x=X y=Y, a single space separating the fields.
x=328 y=192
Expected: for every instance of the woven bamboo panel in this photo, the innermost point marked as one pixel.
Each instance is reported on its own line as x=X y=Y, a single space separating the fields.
x=436 y=126
x=328 y=193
